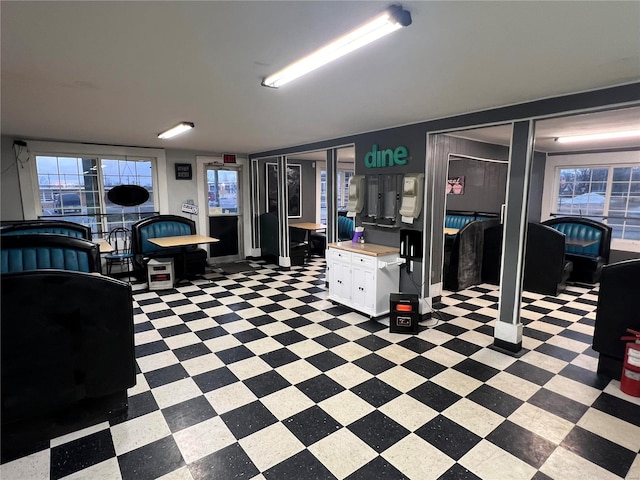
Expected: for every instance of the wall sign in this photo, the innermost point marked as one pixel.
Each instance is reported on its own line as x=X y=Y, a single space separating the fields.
x=229 y=158
x=386 y=158
x=183 y=171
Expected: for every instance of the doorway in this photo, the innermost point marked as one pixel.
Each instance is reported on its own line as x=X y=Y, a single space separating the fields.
x=224 y=211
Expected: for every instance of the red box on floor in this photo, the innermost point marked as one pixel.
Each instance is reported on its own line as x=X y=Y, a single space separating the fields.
x=630 y=381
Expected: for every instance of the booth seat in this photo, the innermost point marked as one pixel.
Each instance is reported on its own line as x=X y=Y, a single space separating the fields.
x=546 y=268
x=463 y=255
x=165 y=226
x=56 y=227
x=20 y=253
x=299 y=250
x=588 y=245
x=458 y=219
x=67 y=338
x=318 y=240
x=618 y=309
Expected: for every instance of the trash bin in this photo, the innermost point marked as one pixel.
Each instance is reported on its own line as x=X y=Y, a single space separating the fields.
x=160 y=274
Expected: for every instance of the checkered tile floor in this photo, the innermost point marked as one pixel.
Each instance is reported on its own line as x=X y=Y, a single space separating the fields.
x=256 y=375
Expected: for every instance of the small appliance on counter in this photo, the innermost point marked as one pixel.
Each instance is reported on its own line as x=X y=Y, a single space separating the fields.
x=358 y=235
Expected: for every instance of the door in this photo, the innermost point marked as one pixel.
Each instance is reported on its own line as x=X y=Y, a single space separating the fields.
x=363 y=276
x=339 y=275
x=224 y=193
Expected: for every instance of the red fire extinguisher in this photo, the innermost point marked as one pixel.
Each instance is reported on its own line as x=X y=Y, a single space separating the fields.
x=630 y=380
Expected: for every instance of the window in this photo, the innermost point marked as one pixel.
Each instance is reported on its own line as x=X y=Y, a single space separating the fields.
x=344 y=175
x=75 y=188
x=582 y=191
x=343 y=188
x=222 y=191
x=624 y=203
x=609 y=194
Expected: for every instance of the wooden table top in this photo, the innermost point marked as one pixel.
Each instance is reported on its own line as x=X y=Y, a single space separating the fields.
x=103 y=245
x=308 y=226
x=451 y=231
x=370 y=249
x=182 y=240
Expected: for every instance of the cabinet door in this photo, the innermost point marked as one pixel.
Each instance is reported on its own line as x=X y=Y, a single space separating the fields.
x=340 y=280
x=363 y=280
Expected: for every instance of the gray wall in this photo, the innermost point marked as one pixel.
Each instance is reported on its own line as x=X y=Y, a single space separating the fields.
x=11 y=202
x=308 y=187
x=534 y=208
x=181 y=190
x=411 y=137
x=485 y=184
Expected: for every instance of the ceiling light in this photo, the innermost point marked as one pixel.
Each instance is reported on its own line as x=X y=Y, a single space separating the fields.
x=599 y=136
x=177 y=130
x=392 y=19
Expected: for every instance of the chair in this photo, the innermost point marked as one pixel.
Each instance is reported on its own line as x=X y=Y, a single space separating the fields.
x=165 y=226
x=19 y=253
x=546 y=268
x=56 y=227
x=318 y=240
x=298 y=242
x=588 y=245
x=120 y=240
x=299 y=251
x=617 y=310
x=67 y=349
x=463 y=255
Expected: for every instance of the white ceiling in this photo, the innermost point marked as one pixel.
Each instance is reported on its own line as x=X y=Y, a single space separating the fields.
x=547 y=131
x=121 y=72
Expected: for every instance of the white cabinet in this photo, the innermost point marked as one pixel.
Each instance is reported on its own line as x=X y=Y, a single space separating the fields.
x=340 y=275
x=361 y=277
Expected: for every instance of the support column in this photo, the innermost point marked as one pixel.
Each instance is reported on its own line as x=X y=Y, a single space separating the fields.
x=332 y=207
x=284 y=258
x=508 y=329
x=255 y=207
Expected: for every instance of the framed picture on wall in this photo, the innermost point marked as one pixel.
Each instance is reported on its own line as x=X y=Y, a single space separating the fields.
x=455 y=186
x=294 y=187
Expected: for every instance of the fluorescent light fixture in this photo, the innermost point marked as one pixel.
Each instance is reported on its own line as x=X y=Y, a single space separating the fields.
x=389 y=21
x=177 y=130
x=599 y=136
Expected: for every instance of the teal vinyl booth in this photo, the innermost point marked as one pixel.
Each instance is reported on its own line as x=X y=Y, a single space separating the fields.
x=588 y=245
x=19 y=253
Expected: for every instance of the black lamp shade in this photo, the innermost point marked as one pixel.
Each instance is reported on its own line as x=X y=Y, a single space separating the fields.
x=128 y=195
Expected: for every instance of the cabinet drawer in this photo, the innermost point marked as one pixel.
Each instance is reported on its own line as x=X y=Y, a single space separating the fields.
x=364 y=261
x=340 y=255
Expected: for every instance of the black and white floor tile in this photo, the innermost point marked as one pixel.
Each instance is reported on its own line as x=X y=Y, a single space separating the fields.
x=256 y=375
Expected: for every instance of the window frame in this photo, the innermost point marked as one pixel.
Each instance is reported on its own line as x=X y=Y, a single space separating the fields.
x=610 y=160
x=28 y=176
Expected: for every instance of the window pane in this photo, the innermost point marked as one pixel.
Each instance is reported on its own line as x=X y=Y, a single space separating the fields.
x=622 y=174
x=109 y=167
x=633 y=207
x=599 y=187
x=583 y=191
x=222 y=186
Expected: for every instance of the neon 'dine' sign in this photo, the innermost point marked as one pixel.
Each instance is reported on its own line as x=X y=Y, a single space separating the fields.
x=386 y=158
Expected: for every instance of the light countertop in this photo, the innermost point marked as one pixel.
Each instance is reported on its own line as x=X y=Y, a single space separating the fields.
x=365 y=248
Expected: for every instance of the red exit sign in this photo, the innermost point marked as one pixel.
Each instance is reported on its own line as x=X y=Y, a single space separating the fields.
x=229 y=158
